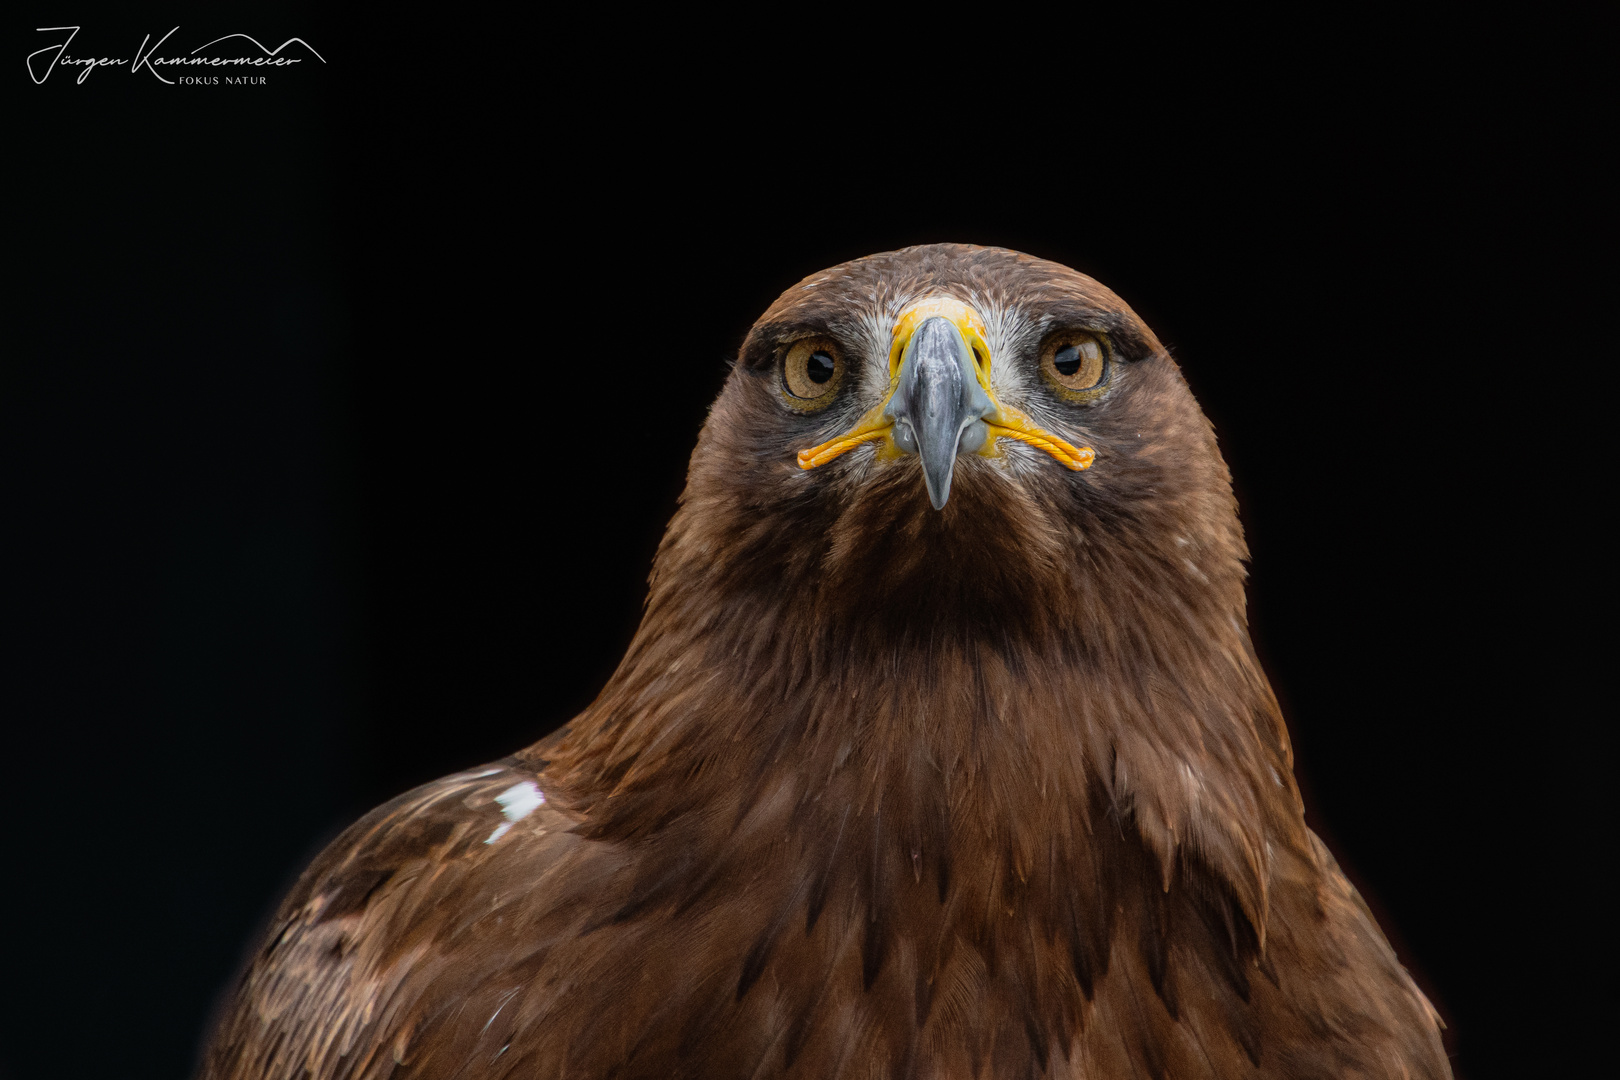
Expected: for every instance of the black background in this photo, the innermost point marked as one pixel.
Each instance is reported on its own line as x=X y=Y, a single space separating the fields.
x=342 y=416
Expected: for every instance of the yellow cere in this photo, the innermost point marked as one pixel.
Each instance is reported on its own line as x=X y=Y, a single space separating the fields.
x=1004 y=422
x=964 y=318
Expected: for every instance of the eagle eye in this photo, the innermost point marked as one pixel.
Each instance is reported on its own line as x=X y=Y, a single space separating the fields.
x=811 y=372
x=1075 y=363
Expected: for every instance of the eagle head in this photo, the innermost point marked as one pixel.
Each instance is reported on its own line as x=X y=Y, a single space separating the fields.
x=963 y=436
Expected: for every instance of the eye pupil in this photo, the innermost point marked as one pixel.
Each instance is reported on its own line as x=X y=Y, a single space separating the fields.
x=819 y=367
x=1068 y=360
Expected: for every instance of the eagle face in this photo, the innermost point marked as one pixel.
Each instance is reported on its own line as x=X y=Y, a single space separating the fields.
x=955 y=433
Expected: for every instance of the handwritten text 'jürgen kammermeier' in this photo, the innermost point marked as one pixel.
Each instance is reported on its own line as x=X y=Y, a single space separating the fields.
x=147 y=58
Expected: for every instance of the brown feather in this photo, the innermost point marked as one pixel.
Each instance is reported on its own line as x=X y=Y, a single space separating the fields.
x=878 y=790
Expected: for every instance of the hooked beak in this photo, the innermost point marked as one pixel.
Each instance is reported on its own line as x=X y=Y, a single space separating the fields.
x=938 y=408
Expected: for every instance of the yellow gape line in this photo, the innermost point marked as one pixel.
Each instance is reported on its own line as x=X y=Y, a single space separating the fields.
x=1002 y=423
x=820 y=455
x=1013 y=425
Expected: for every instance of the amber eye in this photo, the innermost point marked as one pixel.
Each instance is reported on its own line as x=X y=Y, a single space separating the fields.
x=811 y=372
x=1076 y=364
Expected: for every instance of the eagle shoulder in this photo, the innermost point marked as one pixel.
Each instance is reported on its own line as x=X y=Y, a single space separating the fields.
x=399 y=949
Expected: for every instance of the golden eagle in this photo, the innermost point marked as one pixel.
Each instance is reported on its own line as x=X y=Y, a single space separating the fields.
x=941 y=751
